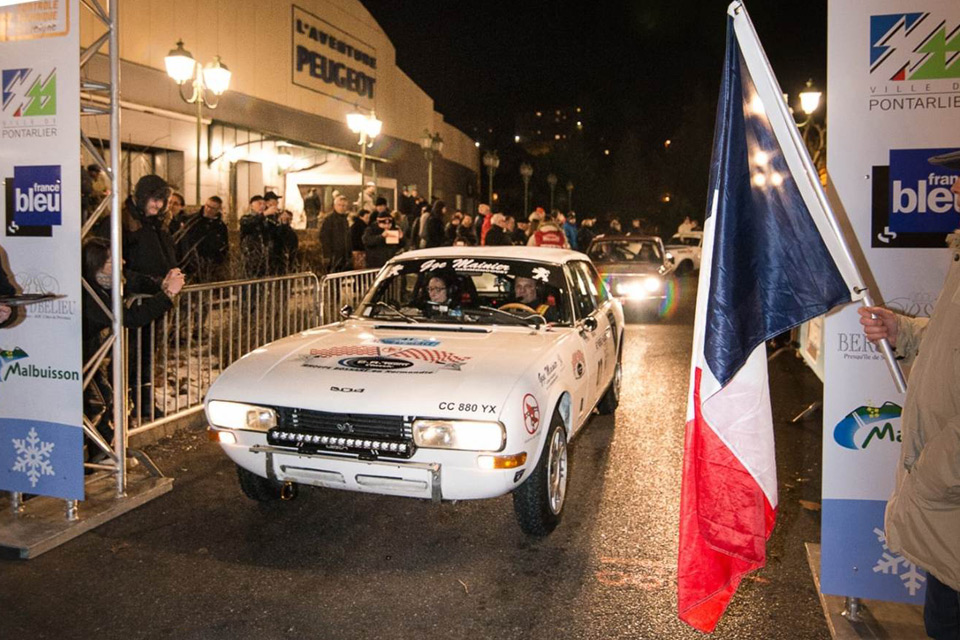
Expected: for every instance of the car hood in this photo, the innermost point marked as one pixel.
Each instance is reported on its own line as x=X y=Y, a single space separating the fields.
x=366 y=367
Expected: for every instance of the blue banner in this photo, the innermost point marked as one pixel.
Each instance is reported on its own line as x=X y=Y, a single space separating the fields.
x=854 y=558
x=43 y=458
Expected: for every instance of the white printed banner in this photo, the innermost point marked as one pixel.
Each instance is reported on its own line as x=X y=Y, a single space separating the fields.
x=893 y=100
x=41 y=395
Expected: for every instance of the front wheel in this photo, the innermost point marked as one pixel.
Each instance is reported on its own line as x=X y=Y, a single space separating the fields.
x=538 y=502
x=611 y=399
x=263 y=489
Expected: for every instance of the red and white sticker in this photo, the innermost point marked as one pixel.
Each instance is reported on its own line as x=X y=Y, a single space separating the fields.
x=579 y=364
x=531 y=414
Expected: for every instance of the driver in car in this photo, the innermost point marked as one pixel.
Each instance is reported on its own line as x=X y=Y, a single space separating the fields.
x=525 y=290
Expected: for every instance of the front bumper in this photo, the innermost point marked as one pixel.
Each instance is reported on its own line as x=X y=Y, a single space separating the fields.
x=432 y=474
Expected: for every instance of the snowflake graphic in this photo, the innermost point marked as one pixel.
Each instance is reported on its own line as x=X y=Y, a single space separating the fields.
x=33 y=457
x=888 y=563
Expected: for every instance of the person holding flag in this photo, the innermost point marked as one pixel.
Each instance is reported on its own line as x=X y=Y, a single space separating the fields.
x=922 y=519
x=773 y=258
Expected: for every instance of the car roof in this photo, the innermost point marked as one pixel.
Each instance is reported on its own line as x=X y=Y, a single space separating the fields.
x=689 y=234
x=534 y=254
x=624 y=238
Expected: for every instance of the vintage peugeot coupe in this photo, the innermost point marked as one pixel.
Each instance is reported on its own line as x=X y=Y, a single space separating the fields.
x=461 y=375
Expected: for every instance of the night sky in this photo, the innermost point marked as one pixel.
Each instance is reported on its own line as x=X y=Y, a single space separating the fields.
x=644 y=70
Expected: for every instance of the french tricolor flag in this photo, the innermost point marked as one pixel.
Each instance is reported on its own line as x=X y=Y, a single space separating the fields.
x=773 y=258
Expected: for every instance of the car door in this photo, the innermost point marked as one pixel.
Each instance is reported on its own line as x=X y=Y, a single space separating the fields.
x=605 y=311
x=594 y=330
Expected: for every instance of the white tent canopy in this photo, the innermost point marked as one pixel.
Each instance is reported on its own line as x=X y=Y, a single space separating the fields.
x=337 y=171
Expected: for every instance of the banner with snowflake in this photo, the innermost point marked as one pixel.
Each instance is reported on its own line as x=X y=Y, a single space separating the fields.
x=41 y=368
x=854 y=554
x=40 y=458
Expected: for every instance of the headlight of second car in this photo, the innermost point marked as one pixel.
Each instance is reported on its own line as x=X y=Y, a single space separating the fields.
x=237 y=415
x=465 y=435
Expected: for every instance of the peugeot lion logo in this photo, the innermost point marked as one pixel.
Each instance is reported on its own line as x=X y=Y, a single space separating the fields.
x=345 y=427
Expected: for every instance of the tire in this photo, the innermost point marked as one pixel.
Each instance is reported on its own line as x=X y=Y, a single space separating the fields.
x=538 y=502
x=611 y=397
x=685 y=268
x=257 y=488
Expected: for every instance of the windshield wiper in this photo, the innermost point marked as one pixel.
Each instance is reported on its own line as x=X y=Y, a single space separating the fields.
x=381 y=303
x=517 y=319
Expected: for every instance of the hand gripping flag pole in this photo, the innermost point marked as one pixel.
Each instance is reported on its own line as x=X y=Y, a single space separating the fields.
x=773 y=258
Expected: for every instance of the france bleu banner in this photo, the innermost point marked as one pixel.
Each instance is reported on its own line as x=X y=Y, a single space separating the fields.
x=41 y=387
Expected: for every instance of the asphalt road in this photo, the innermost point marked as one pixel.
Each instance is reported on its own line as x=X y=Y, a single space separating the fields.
x=204 y=562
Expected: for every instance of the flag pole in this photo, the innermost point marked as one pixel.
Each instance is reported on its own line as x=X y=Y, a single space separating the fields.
x=772 y=96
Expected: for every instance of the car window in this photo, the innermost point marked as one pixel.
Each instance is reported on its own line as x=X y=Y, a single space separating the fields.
x=583 y=291
x=599 y=286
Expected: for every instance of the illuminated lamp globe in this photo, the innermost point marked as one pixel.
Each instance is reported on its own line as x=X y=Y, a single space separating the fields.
x=180 y=64
x=810 y=98
x=216 y=76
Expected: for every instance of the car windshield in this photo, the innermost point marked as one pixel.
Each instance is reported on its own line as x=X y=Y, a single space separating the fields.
x=481 y=291
x=644 y=251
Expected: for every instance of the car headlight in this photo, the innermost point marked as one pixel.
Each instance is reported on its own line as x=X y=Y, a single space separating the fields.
x=237 y=415
x=652 y=284
x=465 y=435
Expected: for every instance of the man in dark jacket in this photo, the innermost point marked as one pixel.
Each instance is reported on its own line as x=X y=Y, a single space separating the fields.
x=311 y=208
x=335 y=237
x=203 y=243
x=253 y=250
x=360 y=224
x=283 y=249
x=496 y=235
x=382 y=240
x=586 y=233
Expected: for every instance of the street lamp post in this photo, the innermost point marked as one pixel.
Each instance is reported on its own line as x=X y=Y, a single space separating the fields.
x=432 y=145
x=552 y=181
x=526 y=172
x=570 y=195
x=213 y=76
x=367 y=127
x=814 y=134
x=491 y=161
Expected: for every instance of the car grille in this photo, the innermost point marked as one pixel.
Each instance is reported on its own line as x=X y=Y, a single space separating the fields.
x=369 y=436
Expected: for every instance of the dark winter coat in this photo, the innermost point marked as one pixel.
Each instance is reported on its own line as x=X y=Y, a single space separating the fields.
x=335 y=243
x=435 y=235
x=378 y=251
x=148 y=251
x=496 y=237
x=356 y=234
x=203 y=247
x=138 y=312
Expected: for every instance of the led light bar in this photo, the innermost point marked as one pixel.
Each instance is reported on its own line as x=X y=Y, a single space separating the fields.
x=292 y=438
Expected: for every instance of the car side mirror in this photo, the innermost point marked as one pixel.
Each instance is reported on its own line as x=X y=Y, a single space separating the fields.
x=590 y=323
x=346 y=311
x=670 y=258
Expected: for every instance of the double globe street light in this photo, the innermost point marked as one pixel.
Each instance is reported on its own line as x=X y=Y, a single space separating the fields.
x=432 y=145
x=814 y=134
x=526 y=172
x=367 y=127
x=214 y=76
x=552 y=181
x=491 y=161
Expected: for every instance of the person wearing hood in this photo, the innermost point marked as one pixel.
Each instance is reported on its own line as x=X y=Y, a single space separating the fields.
x=150 y=260
x=148 y=249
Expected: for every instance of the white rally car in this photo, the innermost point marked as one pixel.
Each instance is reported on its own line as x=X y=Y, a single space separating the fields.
x=685 y=250
x=461 y=375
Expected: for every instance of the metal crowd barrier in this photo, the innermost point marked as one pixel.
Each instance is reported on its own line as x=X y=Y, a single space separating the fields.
x=210 y=327
x=343 y=288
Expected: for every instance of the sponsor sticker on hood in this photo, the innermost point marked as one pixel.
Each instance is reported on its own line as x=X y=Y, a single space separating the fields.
x=385 y=359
